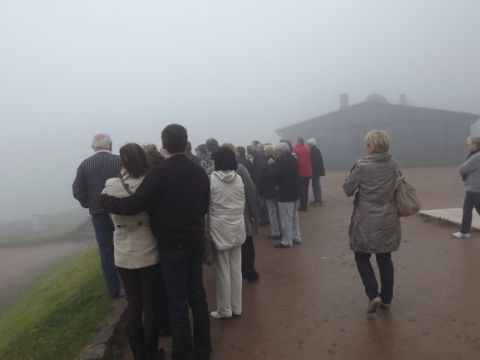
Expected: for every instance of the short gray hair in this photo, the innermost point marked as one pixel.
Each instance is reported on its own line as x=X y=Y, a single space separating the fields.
x=102 y=142
x=312 y=141
x=474 y=140
x=283 y=147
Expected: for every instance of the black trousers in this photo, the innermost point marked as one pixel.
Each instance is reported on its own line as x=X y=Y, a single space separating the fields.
x=182 y=271
x=365 y=269
x=304 y=184
x=248 y=259
x=141 y=288
x=472 y=200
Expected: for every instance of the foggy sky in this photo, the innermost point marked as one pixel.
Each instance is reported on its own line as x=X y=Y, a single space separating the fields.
x=235 y=70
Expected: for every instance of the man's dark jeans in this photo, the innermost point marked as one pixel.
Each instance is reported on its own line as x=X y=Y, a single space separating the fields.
x=472 y=200
x=304 y=183
x=317 y=189
x=182 y=271
x=103 y=226
x=385 y=266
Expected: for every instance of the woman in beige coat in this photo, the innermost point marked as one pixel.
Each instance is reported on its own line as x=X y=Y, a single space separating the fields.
x=375 y=225
x=136 y=257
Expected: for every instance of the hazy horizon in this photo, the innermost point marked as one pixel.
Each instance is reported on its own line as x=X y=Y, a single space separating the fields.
x=234 y=71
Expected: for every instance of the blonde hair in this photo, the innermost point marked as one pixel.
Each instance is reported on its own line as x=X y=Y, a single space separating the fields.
x=474 y=140
x=269 y=150
x=378 y=141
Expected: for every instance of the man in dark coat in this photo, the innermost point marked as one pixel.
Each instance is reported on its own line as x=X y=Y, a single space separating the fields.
x=87 y=186
x=318 y=171
x=242 y=159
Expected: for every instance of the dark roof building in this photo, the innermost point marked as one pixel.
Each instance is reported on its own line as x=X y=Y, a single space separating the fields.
x=419 y=136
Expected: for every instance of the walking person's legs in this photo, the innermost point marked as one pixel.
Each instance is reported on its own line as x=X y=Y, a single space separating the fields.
x=367 y=274
x=468 y=205
x=103 y=226
x=149 y=283
x=236 y=280
x=385 y=266
x=273 y=217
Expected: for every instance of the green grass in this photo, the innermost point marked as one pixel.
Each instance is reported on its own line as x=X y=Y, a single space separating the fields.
x=58 y=315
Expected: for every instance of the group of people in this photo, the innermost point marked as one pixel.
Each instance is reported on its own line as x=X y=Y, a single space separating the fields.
x=159 y=215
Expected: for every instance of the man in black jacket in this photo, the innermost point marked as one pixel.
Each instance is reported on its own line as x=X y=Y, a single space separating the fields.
x=87 y=186
x=285 y=173
x=176 y=195
x=318 y=171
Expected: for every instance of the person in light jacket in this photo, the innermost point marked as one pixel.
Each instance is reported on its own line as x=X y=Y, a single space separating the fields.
x=470 y=173
x=227 y=231
x=375 y=225
x=136 y=256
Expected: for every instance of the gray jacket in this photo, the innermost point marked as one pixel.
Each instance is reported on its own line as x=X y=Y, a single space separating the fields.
x=470 y=172
x=375 y=225
x=251 y=212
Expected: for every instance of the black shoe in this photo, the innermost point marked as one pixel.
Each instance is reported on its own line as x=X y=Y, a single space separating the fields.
x=253 y=278
x=282 y=246
x=278 y=237
x=302 y=209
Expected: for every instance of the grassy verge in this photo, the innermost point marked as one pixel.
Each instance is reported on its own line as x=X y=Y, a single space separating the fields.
x=57 y=316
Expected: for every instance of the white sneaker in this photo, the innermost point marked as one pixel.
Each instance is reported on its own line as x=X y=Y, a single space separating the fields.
x=373 y=305
x=216 y=315
x=460 y=235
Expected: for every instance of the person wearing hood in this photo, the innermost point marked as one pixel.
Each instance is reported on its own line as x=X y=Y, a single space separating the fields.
x=227 y=231
x=470 y=173
x=375 y=225
x=136 y=256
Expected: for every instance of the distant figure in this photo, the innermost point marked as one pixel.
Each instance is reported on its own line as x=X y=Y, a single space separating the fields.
x=242 y=159
x=176 y=195
x=302 y=152
x=269 y=193
x=318 y=170
x=470 y=173
x=154 y=157
x=375 y=225
x=250 y=153
x=249 y=272
x=136 y=257
x=207 y=162
x=227 y=230
x=87 y=186
x=190 y=155
x=259 y=167
x=285 y=173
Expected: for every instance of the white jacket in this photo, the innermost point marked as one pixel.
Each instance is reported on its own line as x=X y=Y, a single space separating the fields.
x=135 y=245
x=226 y=214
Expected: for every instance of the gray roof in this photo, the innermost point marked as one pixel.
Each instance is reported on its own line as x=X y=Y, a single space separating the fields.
x=377 y=114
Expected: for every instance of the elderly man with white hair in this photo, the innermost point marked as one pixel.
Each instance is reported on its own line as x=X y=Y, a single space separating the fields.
x=318 y=170
x=285 y=173
x=87 y=187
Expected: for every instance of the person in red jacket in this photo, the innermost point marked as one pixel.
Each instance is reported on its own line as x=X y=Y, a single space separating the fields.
x=302 y=151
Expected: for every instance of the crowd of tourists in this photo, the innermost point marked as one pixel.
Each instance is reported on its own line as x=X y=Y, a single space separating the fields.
x=159 y=215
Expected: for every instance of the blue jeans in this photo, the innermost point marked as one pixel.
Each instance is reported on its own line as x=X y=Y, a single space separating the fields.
x=182 y=272
x=317 y=189
x=472 y=200
x=103 y=227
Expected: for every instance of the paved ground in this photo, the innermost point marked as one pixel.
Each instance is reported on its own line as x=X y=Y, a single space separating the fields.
x=309 y=303
x=452 y=215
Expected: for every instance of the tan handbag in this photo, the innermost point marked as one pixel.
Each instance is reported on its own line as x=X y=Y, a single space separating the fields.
x=406 y=199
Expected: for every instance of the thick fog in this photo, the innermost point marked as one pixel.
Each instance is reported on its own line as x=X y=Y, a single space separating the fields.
x=234 y=70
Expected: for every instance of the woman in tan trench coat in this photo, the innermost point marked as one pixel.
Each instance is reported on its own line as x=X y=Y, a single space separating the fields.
x=375 y=225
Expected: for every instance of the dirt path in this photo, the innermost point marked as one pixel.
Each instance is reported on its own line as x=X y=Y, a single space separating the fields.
x=22 y=265
x=309 y=303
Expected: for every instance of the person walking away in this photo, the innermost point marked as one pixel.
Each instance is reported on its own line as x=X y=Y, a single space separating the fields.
x=375 y=224
x=87 y=186
x=176 y=195
x=249 y=272
x=470 y=173
x=136 y=257
x=285 y=172
x=227 y=230
x=318 y=170
x=269 y=193
x=302 y=152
